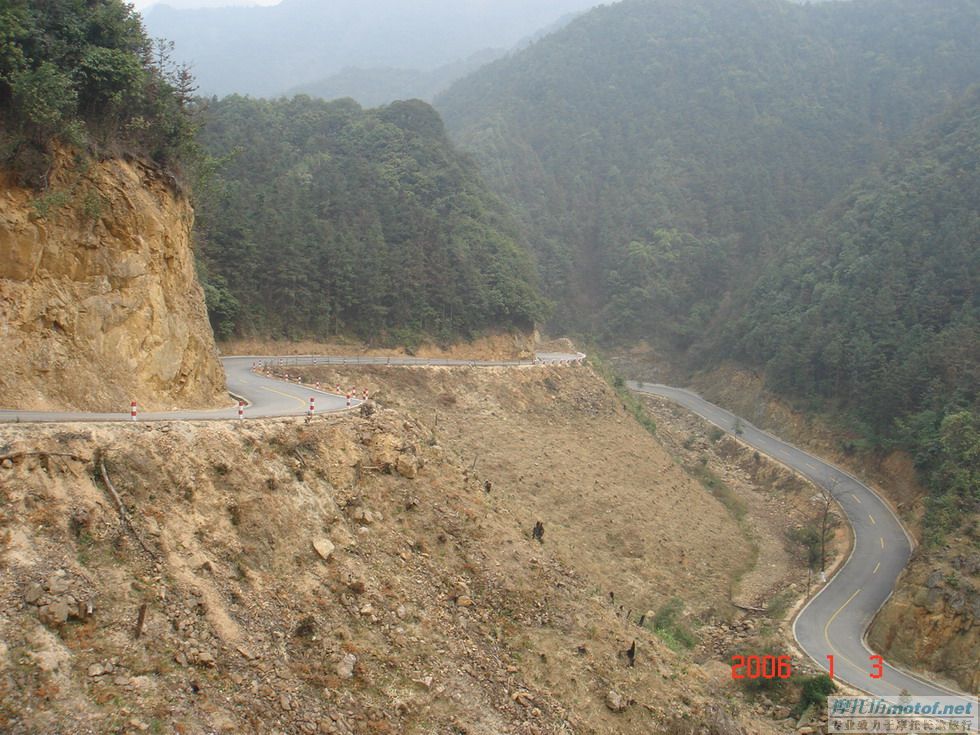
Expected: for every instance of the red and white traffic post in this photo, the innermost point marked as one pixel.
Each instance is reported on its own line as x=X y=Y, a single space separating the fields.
x=365 y=394
x=132 y=411
x=348 y=400
x=241 y=410
x=312 y=405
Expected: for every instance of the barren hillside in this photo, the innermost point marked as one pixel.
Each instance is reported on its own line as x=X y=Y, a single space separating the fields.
x=354 y=574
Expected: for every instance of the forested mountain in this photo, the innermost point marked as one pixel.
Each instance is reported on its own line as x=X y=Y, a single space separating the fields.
x=324 y=218
x=687 y=173
x=265 y=51
x=656 y=150
x=876 y=308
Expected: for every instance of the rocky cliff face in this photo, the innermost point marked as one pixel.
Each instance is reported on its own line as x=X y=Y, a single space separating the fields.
x=933 y=620
x=99 y=303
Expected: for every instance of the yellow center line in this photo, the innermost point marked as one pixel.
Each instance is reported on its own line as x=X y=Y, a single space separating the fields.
x=873 y=523
x=877 y=567
x=285 y=395
x=856 y=497
x=882 y=542
x=826 y=629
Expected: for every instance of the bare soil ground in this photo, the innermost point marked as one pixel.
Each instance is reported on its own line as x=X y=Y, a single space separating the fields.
x=354 y=574
x=489 y=347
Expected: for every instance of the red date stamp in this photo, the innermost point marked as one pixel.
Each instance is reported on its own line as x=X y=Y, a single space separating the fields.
x=762 y=667
x=781 y=667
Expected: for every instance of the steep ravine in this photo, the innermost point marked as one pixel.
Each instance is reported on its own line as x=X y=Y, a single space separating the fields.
x=99 y=303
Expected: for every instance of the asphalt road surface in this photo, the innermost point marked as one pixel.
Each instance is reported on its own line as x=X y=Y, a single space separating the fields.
x=835 y=620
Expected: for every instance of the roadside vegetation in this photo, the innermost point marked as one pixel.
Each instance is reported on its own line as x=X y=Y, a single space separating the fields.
x=86 y=75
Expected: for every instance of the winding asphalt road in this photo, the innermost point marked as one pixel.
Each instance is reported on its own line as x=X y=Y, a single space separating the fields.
x=269 y=397
x=835 y=621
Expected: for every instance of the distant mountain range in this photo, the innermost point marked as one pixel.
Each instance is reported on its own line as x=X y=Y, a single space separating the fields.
x=300 y=44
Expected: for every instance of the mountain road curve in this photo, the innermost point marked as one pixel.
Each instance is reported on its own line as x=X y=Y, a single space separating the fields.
x=834 y=622
x=267 y=397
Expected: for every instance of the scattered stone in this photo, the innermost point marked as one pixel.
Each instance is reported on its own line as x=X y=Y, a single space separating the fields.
x=356 y=585
x=33 y=593
x=345 y=669
x=407 y=466
x=222 y=722
x=54 y=614
x=57 y=585
x=525 y=699
x=781 y=713
x=341 y=537
x=96 y=670
x=464 y=601
x=324 y=548
x=616 y=702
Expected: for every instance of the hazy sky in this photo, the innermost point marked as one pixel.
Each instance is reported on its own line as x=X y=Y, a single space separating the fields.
x=144 y=4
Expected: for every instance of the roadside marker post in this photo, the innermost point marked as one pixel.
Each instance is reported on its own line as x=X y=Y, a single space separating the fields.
x=338 y=389
x=312 y=405
x=132 y=411
x=348 y=400
x=241 y=410
x=318 y=385
x=365 y=394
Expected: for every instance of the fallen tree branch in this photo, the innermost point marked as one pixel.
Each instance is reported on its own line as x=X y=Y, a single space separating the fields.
x=122 y=509
x=748 y=607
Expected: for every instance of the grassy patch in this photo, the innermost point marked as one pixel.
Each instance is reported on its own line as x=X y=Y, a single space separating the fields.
x=717 y=487
x=779 y=604
x=630 y=402
x=670 y=629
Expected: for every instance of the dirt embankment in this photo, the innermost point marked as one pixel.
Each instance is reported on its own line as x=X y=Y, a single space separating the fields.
x=502 y=346
x=355 y=575
x=99 y=301
x=743 y=392
x=558 y=447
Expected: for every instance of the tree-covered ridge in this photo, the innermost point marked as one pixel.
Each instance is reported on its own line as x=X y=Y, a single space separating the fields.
x=726 y=121
x=876 y=310
x=326 y=219
x=84 y=72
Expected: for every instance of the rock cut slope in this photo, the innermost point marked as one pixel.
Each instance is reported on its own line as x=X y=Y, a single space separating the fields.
x=99 y=301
